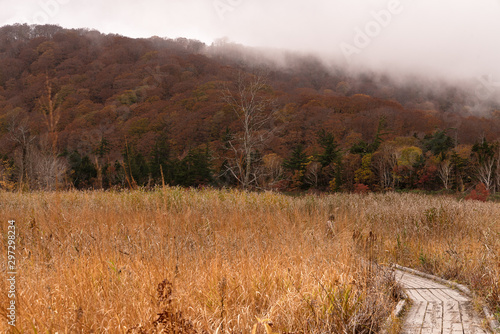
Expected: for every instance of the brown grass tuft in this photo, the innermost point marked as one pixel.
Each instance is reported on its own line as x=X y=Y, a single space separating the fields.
x=214 y=261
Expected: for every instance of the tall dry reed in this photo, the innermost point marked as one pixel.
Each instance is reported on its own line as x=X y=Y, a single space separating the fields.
x=195 y=261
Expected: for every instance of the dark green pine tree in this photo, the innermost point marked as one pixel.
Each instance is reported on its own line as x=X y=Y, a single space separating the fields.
x=102 y=148
x=160 y=163
x=483 y=150
x=363 y=147
x=195 y=169
x=298 y=159
x=439 y=143
x=136 y=166
x=360 y=147
x=331 y=153
x=83 y=171
x=460 y=171
x=374 y=146
x=330 y=159
x=297 y=164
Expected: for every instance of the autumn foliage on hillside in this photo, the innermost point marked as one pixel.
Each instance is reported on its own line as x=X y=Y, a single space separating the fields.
x=86 y=110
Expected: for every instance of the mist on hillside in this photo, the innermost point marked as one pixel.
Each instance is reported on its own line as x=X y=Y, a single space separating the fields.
x=440 y=56
x=445 y=40
x=478 y=96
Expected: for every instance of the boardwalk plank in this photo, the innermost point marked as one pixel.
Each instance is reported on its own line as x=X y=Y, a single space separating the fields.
x=415 y=295
x=437 y=309
x=472 y=324
x=446 y=296
x=452 y=322
x=415 y=318
x=433 y=322
x=455 y=295
x=429 y=295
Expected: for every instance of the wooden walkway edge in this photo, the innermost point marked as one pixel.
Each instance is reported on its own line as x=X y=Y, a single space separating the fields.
x=438 y=308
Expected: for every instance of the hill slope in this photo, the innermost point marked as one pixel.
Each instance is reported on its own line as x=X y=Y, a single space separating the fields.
x=115 y=109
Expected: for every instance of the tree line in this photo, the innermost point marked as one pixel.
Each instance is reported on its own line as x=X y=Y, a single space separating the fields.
x=243 y=158
x=79 y=109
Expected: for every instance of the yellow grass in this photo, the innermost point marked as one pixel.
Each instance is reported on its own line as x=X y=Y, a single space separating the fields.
x=227 y=261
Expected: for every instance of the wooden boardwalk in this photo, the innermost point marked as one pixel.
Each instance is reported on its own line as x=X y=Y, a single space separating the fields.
x=436 y=308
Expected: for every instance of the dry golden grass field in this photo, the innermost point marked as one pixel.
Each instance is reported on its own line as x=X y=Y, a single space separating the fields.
x=226 y=261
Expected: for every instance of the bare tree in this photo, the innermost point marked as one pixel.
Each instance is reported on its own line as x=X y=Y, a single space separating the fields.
x=50 y=106
x=311 y=176
x=20 y=134
x=255 y=111
x=37 y=166
x=49 y=171
x=383 y=163
x=485 y=172
x=444 y=172
x=273 y=165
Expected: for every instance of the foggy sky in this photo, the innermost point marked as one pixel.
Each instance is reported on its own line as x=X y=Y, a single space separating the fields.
x=448 y=38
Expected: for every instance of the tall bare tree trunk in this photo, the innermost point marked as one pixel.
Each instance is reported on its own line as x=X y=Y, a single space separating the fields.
x=254 y=111
x=485 y=172
x=50 y=107
x=444 y=173
x=21 y=135
x=50 y=168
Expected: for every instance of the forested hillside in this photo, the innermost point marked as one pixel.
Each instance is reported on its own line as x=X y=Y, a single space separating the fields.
x=87 y=110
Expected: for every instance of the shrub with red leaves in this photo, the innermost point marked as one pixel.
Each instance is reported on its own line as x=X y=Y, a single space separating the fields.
x=360 y=188
x=480 y=193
